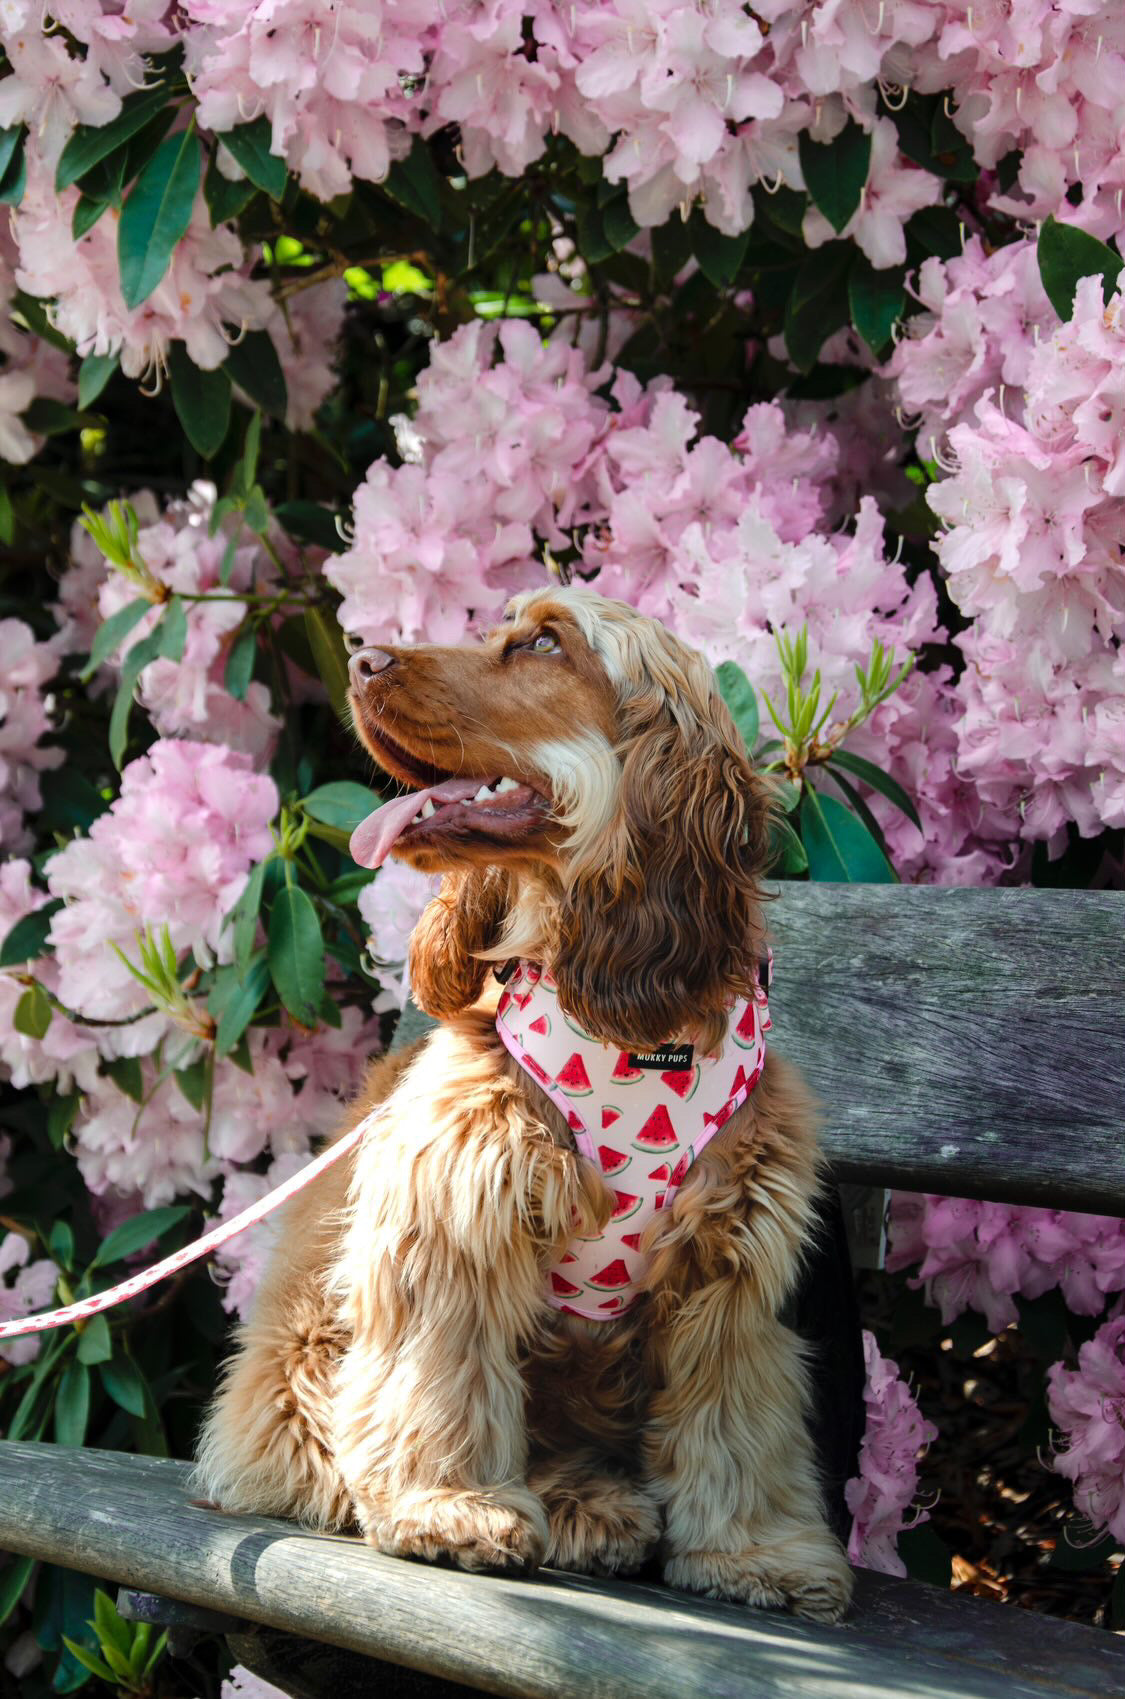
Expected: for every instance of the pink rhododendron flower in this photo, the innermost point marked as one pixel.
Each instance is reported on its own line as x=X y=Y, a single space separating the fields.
x=26 y=1286
x=242 y=1260
x=391 y=907
x=66 y=1053
x=883 y=1493
x=26 y=666
x=243 y=1685
x=1087 y=1406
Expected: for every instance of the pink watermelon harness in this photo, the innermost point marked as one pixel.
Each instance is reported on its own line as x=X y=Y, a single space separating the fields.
x=641 y=1118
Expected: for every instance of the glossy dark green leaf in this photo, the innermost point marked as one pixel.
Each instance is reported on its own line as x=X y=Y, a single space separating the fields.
x=60 y=1118
x=296 y=954
x=415 y=183
x=253 y=365
x=72 y=1405
x=86 y=213
x=127 y=1075
x=95 y=1344
x=235 y=999
x=618 y=224
x=244 y=916
x=720 y=257
x=326 y=641
x=787 y=857
x=225 y=199
x=859 y=806
x=310 y=523
x=112 y=633
x=192 y=1081
x=93 y=375
x=138 y=1232
x=1066 y=255
x=13 y=1579
x=28 y=937
x=239 y=669
x=877 y=300
x=89 y=144
x=878 y=780
x=10 y=142
x=838 y=845
x=817 y=305
x=125 y=1384
x=342 y=804
x=53 y=418
x=836 y=171
x=60 y=1244
x=201 y=400
x=739 y=695
x=165 y=642
x=671 y=250
x=156 y=215
x=249 y=145
x=32 y=1015
x=13 y=176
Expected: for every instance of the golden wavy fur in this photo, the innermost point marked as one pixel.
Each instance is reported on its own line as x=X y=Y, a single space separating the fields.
x=402 y=1370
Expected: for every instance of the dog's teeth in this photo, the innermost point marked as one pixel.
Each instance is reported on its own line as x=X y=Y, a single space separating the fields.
x=483 y=794
x=428 y=809
x=506 y=785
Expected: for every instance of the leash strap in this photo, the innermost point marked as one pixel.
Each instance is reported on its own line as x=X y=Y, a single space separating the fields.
x=137 y=1283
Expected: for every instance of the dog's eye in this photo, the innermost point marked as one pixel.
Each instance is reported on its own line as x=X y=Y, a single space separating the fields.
x=546 y=644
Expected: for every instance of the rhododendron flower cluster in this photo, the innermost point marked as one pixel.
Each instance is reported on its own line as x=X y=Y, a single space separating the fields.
x=982 y=1256
x=883 y=1493
x=391 y=907
x=26 y=667
x=27 y=1284
x=180 y=554
x=1033 y=549
x=1087 y=1407
x=65 y=1053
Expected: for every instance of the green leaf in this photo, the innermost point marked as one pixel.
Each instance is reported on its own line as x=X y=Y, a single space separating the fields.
x=53 y=418
x=72 y=1405
x=125 y=1384
x=326 y=641
x=156 y=215
x=225 y=200
x=192 y=1081
x=817 y=303
x=89 y=144
x=858 y=806
x=89 y=1661
x=618 y=224
x=32 y=1014
x=245 y=916
x=839 y=847
x=415 y=183
x=140 y=1230
x=877 y=300
x=720 y=257
x=234 y=1001
x=836 y=171
x=28 y=937
x=127 y=1076
x=926 y=1555
x=738 y=694
x=239 y=669
x=593 y=243
x=108 y=1625
x=10 y=141
x=13 y=1580
x=60 y=1244
x=878 y=780
x=347 y=887
x=60 y=1118
x=86 y=213
x=253 y=365
x=93 y=375
x=94 y=1342
x=342 y=804
x=112 y=633
x=13 y=177
x=165 y=642
x=296 y=954
x=671 y=250
x=310 y=523
x=1066 y=255
x=201 y=400
x=787 y=855
x=249 y=145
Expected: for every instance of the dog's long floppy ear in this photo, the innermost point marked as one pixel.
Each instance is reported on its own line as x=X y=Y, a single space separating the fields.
x=660 y=926
x=465 y=916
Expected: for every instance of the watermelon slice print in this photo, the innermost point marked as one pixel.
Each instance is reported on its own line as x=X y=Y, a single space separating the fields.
x=677 y=1175
x=614 y=1274
x=533 y=1068
x=658 y=1132
x=745 y=1034
x=563 y=1288
x=542 y=1025
x=573 y=1078
x=612 y=1161
x=683 y=1081
x=566 y=1257
x=662 y=1174
x=575 y=1122
x=622 y=1071
x=504 y=1003
x=610 y=1114
x=633 y=1240
x=580 y=1031
x=627 y=1205
x=610 y=1304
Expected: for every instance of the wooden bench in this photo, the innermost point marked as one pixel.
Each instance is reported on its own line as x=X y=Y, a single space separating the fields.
x=962 y=1041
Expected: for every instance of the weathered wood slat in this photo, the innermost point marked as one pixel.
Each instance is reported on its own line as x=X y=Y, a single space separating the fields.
x=961 y=1041
x=554 y=1637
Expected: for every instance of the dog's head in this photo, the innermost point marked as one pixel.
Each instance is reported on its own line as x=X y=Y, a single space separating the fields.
x=588 y=752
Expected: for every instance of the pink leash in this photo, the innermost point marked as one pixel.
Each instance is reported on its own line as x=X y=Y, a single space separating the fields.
x=137 y=1283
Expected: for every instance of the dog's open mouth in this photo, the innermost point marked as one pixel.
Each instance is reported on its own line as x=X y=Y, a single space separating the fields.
x=478 y=810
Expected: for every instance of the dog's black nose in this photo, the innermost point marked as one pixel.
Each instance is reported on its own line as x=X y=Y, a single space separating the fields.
x=366 y=663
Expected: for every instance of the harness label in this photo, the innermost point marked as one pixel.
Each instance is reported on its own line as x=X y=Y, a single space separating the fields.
x=670 y=1057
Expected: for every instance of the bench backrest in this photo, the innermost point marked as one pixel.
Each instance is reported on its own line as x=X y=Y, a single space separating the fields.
x=961 y=1041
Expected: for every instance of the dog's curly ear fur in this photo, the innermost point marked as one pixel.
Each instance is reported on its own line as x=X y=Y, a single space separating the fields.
x=660 y=926
x=466 y=915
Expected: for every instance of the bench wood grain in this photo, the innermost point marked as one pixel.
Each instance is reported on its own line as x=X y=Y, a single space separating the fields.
x=554 y=1637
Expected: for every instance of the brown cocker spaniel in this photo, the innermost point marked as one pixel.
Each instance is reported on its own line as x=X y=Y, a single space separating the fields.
x=404 y=1369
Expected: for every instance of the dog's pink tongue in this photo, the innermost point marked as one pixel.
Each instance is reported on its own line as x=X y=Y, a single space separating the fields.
x=374 y=838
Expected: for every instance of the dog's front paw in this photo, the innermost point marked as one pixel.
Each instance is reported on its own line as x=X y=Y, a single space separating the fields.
x=601 y=1526
x=805 y=1572
x=505 y=1529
